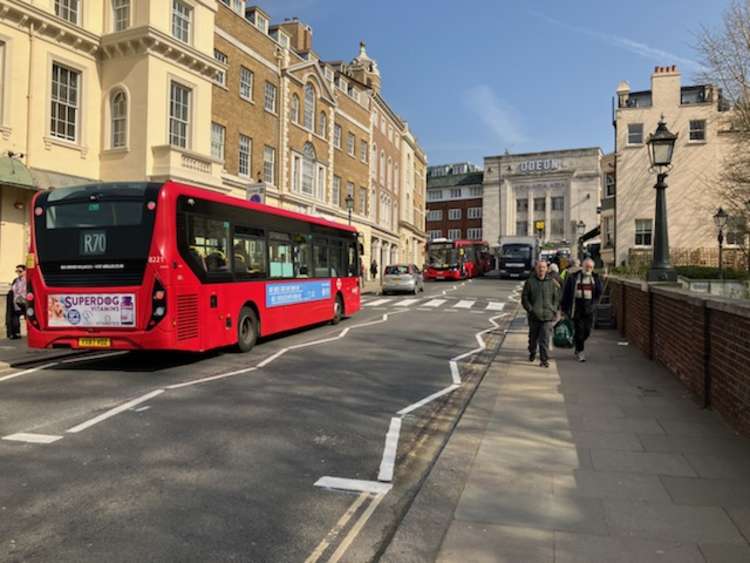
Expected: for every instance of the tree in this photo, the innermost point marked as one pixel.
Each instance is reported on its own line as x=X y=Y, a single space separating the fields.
x=725 y=54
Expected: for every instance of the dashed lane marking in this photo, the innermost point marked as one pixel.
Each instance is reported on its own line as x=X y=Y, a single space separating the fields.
x=407 y=302
x=377 y=302
x=30 y=438
x=357 y=485
x=495 y=306
x=464 y=304
x=112 y=412
x=27 y=371
x=434 y=303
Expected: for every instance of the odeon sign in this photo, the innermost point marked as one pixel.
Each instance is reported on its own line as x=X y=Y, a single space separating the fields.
x=540 y=165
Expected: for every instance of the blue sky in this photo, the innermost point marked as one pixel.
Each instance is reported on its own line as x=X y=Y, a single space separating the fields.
x=473 y=78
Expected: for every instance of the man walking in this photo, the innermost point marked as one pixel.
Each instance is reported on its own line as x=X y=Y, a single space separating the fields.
x=374 y=269
x=582 y=291
x=15 y=307
x=541 y=301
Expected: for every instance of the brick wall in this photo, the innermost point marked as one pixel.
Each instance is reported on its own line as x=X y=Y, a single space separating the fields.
x=703 y=340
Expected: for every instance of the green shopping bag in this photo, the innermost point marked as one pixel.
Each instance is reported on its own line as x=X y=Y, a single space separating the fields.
x=563 y=334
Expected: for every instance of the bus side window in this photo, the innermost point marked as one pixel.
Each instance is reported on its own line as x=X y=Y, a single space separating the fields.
x=336 y=258
x=301 y=256
x=208 y=243
x=320 y=259
x=352 y=260
x=280 y=256
x=249 y=260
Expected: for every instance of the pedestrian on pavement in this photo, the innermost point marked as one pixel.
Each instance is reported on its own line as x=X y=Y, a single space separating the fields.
x=580 y=295
x=16 y=303
x=374 y=269
x=541 y=301
x=554 y=273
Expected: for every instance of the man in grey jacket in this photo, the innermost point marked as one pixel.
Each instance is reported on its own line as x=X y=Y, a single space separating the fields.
x=541 y=301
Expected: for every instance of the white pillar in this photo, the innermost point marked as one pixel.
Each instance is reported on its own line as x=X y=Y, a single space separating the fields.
x=530 y=213
x=547 y=215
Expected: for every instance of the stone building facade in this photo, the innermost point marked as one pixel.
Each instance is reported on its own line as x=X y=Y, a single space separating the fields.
x=207 y=92
x=699 y=116
x=90 y=92
x=554 y=190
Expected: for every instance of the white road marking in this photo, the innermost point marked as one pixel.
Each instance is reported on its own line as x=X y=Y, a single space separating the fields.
x=27 y=371
x=428 y=399
x=356 y=529
x=94 y=357
x=377 y=302
x=408 y=302
x=464 y=304
x=495 y=306
x=388 y=461
x=32 y=438
x=112 y=412
x=142 y=409
x=211 y=378
x=358 y=485
x=336 y=530
x=434 y=303
x=268 y=360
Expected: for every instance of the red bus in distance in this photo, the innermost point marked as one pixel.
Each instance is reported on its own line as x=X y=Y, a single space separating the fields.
x=167 y=266
x=456 y=259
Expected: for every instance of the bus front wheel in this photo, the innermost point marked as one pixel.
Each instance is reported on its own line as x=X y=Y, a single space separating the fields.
x=338 y=310
x=247 y=330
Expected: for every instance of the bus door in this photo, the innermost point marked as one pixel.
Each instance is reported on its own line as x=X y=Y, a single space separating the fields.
x=209 y=251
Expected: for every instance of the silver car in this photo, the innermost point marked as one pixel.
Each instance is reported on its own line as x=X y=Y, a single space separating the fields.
x=402 y=277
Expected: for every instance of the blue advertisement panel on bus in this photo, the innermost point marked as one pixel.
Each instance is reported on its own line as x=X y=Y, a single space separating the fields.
x=291 y=293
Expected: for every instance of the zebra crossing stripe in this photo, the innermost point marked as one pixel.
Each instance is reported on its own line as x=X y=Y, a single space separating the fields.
x=464 y=304
x=435 y=303
x=495 y=306
x=377 y=302
x=407 y=302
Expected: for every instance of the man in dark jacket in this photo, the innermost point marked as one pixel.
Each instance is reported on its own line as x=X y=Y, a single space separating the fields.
x=541 y=301
x=580 y=295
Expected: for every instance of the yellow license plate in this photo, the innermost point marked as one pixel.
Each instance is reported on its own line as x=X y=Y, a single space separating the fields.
x=94 y=342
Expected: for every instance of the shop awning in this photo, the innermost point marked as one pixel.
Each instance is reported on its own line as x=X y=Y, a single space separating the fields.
x=14 y=173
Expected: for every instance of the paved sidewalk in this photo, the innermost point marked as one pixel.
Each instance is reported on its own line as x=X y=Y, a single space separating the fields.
x=604 y=461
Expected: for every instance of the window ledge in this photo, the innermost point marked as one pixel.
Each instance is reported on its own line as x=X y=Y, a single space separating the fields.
x=116 y=150
x=49 y=141
x=248 y=100
x=274 y=113
x=633 y=145
x=222 y=86
x=697 y=142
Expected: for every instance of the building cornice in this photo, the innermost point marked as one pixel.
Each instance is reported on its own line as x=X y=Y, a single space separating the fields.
x=356 y=122
x=50 y=26
x=249 y=51
x=290 y=70
x=148 y=39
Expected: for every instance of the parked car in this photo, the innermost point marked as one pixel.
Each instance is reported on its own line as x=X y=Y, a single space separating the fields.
x=402 y=277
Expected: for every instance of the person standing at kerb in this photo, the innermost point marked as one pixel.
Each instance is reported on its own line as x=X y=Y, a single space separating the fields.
x=16 y=303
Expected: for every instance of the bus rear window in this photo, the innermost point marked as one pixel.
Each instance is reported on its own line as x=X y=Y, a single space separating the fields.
x=94 y=214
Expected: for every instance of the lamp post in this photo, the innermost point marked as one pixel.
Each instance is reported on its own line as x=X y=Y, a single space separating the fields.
x=349 y=206
x=580 y=231
x=720 y=220
x=660 y=149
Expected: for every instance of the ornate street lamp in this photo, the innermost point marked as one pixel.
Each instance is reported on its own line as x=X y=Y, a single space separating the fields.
x=660 y=149
x=580 y=231
x=349 y=206
x=720 y=220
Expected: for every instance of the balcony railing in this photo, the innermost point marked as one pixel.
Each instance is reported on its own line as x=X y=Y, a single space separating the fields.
x=184 y=164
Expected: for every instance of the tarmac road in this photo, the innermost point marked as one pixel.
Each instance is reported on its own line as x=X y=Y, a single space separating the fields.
x=175 y=457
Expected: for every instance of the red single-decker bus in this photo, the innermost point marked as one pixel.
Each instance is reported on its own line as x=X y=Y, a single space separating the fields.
x=456 y=259
x=151 y=266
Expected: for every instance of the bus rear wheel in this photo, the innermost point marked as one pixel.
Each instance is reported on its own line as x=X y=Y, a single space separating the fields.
x=247 y=330
x=338 y=310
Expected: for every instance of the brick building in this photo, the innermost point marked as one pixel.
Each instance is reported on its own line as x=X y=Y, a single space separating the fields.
x=454 y=202
x=314 y=136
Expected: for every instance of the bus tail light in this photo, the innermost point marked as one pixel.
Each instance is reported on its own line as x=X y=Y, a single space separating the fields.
x=158 y=304
x=30 y=313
